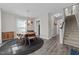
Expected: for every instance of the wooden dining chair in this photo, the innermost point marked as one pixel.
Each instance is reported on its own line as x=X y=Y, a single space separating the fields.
x=19 y=38
x=25 y=39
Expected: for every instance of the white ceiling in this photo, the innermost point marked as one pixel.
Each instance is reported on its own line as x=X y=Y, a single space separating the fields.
x=35 y=9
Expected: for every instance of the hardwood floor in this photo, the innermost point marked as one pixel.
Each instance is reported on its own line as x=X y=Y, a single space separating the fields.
x=51 y=47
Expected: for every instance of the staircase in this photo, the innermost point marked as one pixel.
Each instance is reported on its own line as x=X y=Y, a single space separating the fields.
x=71 y=36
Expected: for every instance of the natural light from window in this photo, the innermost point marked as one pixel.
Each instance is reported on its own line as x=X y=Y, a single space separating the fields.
x=21 y=26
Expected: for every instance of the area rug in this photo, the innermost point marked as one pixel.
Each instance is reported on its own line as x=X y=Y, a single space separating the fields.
x=13 y=48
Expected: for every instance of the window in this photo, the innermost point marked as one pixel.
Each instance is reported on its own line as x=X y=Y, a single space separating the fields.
x=21 y=26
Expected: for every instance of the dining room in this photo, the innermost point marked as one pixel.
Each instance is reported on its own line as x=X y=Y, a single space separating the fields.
x=19 y=32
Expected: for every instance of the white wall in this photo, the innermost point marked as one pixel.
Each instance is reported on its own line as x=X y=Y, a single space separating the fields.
x=9 y=22
x=0 y=28
x=52 y=27
x=44 y=26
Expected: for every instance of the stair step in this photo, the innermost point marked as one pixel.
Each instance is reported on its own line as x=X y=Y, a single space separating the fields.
x=72 y=43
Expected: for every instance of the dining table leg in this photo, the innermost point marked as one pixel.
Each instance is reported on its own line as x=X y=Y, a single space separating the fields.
x=29 y=42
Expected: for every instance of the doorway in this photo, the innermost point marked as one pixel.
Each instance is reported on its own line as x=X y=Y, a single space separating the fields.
x=38 y=28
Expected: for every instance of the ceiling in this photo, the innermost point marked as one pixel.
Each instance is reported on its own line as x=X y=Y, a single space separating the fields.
x=34 y=9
